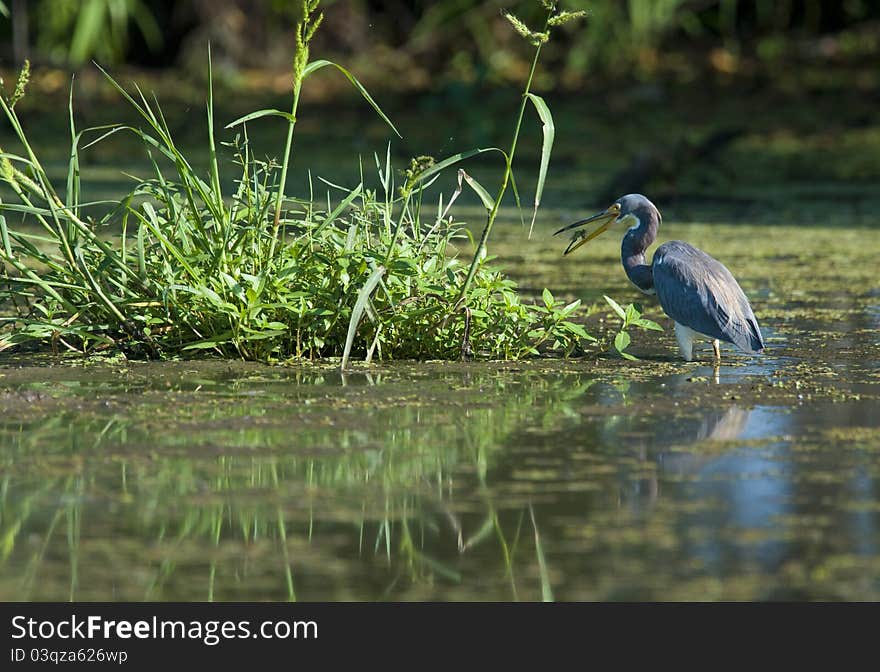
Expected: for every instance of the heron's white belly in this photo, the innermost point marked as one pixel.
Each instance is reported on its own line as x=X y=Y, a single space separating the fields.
x=686 y=337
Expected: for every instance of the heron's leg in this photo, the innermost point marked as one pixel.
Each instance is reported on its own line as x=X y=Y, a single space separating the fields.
x=716 y=346
x=685 y=338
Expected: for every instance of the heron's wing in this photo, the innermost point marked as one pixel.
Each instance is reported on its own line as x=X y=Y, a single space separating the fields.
x=699 y=292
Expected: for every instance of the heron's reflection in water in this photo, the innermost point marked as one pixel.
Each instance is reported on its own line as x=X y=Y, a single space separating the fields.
x=722 y=425
x=671 y=446
x=730 y=489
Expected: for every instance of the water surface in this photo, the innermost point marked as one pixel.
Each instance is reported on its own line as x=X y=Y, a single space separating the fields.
x=582 y=479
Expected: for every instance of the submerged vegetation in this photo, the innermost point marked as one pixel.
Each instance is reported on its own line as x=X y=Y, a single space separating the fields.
x=258 y=274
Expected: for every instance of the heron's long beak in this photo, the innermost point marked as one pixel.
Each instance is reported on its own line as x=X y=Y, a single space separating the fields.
x=605 y=219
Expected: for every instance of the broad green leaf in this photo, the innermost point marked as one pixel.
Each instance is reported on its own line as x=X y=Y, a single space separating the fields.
x=570 y=308
x=578 y=330
x=632 y=314
x=211 y=295
x=233 y=286
x=404 y=267
x=647 y=324
x=548 y=298
x=621 y=341
x=253 y=335
x=616 y=306
x=214 y=342
x=549 y=131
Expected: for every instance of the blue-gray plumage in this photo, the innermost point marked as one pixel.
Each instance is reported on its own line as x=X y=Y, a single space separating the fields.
x=694 y=289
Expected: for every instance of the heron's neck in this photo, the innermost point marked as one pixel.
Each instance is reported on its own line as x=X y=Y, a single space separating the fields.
x=632 y=253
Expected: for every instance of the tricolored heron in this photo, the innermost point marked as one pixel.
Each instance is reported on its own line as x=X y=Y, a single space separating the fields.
x=695 y=290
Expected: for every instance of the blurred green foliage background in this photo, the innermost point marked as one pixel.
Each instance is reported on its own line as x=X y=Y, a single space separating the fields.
x=687 y=100
x=416 y=43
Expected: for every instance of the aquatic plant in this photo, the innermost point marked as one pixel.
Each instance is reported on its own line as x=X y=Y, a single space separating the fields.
x=630 y=316
x=178 y=265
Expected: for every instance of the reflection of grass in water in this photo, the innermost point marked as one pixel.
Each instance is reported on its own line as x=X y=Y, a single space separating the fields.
x=14 y=514
x=546 y=588
x=73 y=532
x=246 y=517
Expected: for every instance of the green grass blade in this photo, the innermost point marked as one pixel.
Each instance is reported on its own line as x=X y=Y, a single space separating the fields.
x=215 y=167
x=516 y=198
x=317 y=65
x=455 y=158
x=338 y=209
x=143 y=110
x=259 y=114
x=4 y=233
x=96 y=287
x=479 y=190
x=360 y=307
x=113 y=129
x=151 y=221
x=73 y=182
x=141 y=251
x=549 y=131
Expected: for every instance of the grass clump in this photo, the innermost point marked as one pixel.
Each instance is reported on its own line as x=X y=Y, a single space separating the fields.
x=178 y=265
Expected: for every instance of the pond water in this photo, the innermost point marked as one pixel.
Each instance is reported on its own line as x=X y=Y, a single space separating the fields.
x=582 y=479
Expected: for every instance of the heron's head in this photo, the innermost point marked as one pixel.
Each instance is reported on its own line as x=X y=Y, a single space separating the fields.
x=626 y=212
